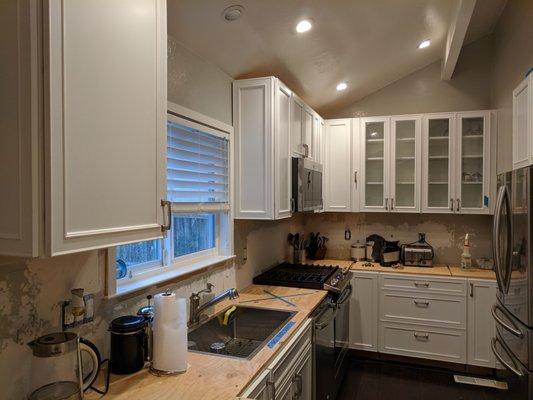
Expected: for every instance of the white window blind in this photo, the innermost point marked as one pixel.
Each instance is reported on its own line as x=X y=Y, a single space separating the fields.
x=197 y=169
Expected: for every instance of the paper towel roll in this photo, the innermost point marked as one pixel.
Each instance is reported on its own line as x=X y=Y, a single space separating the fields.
x=170 y=333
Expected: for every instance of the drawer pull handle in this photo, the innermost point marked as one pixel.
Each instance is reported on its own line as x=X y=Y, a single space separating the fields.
x=422 y=303
x=421 y=284
x=421 y=336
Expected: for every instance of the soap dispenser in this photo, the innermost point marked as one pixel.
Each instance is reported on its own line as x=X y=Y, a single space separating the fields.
x=466 y=258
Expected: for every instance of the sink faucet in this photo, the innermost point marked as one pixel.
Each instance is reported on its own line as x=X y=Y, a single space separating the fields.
x=195 y=307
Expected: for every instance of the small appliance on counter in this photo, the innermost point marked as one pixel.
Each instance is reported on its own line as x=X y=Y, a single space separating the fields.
x=358 y=252
x=390 y=253
x=128 y=344
x=57 y=367
x=419 y=253
x=374 y=244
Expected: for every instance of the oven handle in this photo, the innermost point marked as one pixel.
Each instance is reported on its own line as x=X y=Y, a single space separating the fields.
x=513 y=368
x=512 y=329
x=321 y=325
x=345 y=296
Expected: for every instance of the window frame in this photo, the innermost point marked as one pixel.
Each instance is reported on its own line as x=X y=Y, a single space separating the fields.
x=150 y=273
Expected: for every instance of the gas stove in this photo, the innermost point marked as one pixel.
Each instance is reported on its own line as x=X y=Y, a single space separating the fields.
x=325 y=277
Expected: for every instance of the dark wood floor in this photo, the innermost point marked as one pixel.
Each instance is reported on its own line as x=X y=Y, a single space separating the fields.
x=380 y=380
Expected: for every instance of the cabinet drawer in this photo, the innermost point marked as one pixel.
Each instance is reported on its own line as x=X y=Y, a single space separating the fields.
x=423 y=284
x=423 y=308
x=423 y=342
x=286 y=360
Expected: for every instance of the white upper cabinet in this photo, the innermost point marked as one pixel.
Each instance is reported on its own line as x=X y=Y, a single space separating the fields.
x=106 y=125
x=473 y=163
x=375 y=173
x=262 y=123
x=406 y=163
x=438 y=163
x=309 y=133
x=297 y=126
x=523 y=123
x=102 y=138
x=338 y=169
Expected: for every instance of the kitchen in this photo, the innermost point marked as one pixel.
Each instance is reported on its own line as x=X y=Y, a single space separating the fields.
x=115 y=113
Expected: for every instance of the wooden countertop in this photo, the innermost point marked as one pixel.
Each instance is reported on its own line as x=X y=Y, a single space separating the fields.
x=215 y=377
x=331 y=261
x=436 y=270
x=479 y=273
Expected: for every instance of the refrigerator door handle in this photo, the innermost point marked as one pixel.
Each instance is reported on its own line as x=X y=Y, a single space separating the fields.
x=501 y=202
x=512 y=329
x=515 y=369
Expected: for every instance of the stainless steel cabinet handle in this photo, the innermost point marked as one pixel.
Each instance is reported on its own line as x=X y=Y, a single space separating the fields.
x=272 y=389
x=512 y=329
x=387 y=204
x=451 y=204
x=299 y=386
x=421 y=284
x=168 y=205
x=355 y=178
x=421 y=303
x=306 y=150
x=502 y=201
x=458 y=205
x=293 y=205
x=471 y=290
x=392 y=203
x=421 y=336
x=513 y=368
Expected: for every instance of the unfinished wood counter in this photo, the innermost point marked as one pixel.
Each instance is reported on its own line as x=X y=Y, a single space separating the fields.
x=331 y=261
x=215 y=377
x=476 y=273
x=436 y=270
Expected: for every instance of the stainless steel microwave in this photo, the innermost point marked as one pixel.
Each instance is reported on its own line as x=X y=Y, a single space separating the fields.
x=306 y=185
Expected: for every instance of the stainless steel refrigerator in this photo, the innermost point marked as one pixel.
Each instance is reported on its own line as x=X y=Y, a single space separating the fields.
x=513 y=256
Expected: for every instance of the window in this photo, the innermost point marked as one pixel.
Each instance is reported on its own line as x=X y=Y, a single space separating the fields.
x=198 y=188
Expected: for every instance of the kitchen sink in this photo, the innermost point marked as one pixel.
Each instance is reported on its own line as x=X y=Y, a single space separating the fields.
x=247 y=331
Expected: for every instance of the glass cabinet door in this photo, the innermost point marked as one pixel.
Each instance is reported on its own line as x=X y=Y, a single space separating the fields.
x=438 y=164
x=472 y=179
x=375 y=145
x=405 y=167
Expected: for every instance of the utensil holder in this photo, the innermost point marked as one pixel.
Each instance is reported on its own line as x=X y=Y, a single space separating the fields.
x=299 y=256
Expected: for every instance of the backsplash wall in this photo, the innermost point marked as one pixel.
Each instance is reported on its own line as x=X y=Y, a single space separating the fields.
x=444 y=232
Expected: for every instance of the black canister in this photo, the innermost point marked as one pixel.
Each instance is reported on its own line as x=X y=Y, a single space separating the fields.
x=128 y=341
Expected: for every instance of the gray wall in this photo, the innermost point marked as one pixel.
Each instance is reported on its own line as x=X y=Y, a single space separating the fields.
x=423 y=91
x=513 y=56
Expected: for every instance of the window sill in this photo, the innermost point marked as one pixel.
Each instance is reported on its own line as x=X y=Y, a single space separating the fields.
x=174 y=273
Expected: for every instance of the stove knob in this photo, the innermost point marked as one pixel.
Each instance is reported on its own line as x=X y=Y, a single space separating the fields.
x=334 y=282
x=339 y=276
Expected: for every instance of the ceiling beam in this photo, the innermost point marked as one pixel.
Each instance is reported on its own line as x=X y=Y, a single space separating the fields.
x=456 y=36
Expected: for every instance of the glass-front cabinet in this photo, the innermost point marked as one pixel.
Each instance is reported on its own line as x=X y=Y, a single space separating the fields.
x=438 y=166
x=472 y=188
x=374 y=164
x=405 y=167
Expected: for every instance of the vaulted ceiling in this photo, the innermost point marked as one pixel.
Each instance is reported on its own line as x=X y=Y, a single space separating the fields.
x=367 y=43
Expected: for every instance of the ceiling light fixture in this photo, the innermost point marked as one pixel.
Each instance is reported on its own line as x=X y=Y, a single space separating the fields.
x=342 y=86
x=424 y=44
x=304 y=26
x=232 y=13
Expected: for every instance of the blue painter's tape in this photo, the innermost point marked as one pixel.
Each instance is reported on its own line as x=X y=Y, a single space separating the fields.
x=280 y=334
x=486 y=201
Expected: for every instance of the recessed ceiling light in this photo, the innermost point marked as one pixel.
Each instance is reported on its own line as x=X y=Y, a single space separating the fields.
x=342 y=86
x=304 y=26
x=232 y=13
x=424 y=44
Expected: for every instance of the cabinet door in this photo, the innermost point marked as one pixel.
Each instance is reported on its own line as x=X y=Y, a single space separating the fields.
x=317 y=139
x=282 y=143
x=302 y=387
x=338 y=165
x=254 y=148
x=364 y=311
x=472 y=181
x=105 y=122
x=20 y=201
x=522 y=123
x=297 y=128
x=356 y=176
x=308 y=133
x=438 y=163
x=406 y=164
x=259 y=389
x=375 y=164
x=481 y=326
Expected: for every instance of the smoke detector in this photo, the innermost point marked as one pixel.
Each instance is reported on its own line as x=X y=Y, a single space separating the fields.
x=232 y=13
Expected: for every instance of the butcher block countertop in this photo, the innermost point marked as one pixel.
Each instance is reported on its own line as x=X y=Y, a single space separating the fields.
x=215 y=377
x=437 y=270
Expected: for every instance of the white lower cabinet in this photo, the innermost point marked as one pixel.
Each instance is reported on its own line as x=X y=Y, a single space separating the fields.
x=290 y=375
x=481 y=325
x=364 y=311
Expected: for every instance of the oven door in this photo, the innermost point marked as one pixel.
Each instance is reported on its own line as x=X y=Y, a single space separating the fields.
x=342 y=335
x=324 y=355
